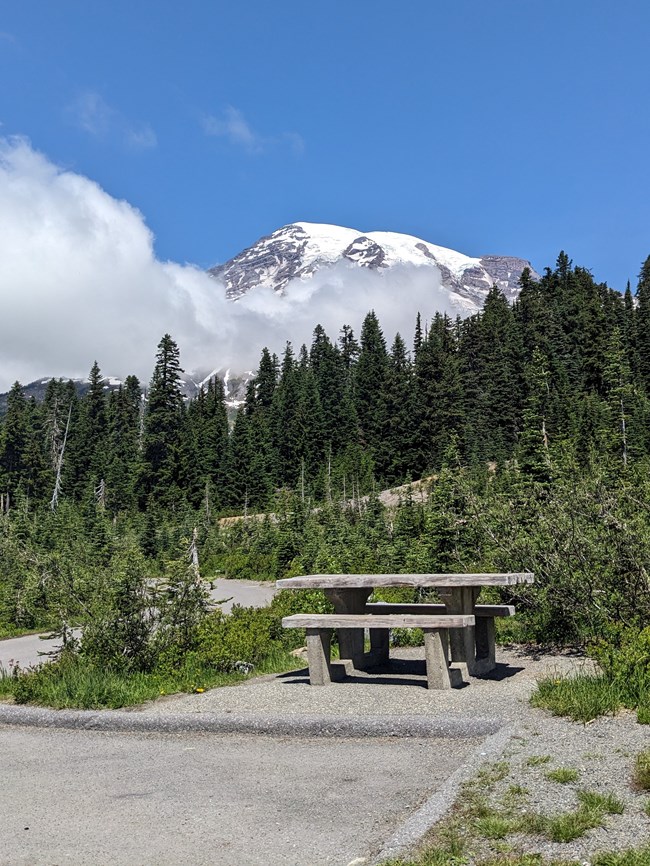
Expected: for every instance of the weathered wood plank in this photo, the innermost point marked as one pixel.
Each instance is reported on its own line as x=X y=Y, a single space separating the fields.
x=360 y=581
x=371 y=620
x=480 y=610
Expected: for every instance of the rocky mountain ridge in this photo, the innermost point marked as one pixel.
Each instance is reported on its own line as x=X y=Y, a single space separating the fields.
x=299 y=250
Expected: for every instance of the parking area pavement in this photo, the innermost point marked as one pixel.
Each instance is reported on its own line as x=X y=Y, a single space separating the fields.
x=88 y=797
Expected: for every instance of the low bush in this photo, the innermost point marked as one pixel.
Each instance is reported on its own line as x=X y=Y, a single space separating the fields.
x=122 y=660
x=74 y=681
x=625 y=660
x=248 y=635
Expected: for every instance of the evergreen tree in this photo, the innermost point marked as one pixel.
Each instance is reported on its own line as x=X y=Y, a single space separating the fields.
x=159 y=473
x=397 y=451
x=122 y=445
x=643 y=324
x=370 y=383
x=499 y=378
x=533 y=446
x=14 y=443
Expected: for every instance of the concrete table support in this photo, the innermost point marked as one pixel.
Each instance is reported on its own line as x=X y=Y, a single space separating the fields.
x=461 y=600
x=318 y=656
x=350 y=640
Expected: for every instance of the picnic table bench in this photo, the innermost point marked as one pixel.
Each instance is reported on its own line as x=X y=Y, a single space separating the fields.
x=319 y=633
x=470 y=645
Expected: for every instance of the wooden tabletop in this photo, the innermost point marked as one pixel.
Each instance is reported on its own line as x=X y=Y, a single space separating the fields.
x=364 y=581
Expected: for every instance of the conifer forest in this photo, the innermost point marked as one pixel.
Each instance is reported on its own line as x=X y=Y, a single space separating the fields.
x=519 y=439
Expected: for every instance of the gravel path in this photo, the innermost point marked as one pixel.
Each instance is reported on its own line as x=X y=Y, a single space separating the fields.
x=401 y=692
x=603 y=753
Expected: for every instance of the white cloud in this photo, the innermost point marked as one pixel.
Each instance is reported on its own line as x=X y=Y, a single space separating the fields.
x=93 y=115
x=233 y=126
x=79 y=281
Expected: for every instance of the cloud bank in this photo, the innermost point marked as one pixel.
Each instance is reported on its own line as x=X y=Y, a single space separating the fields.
x=79 y=281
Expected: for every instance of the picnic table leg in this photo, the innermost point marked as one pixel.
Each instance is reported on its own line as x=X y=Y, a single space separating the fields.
x=435 y=650
x=318 y=655
x=350 y=639
x=485 y=645
x=462 y=641
x=379 y=646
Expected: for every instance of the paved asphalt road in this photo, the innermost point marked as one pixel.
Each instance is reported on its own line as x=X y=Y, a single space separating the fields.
x=85 y=797
x=27 y=650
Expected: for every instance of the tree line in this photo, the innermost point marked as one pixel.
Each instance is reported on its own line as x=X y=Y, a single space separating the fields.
x=566 y=367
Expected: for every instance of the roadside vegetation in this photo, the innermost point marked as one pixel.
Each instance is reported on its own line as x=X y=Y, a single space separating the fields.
x=497 y=823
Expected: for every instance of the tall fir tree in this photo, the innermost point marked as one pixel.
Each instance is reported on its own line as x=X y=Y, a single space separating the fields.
x=160 y=460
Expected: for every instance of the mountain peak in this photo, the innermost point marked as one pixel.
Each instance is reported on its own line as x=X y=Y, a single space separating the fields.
x=298 y=250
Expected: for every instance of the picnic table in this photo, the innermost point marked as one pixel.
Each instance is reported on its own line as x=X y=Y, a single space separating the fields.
x=471 y=634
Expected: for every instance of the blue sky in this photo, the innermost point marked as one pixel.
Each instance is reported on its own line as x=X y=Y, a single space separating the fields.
x=489 y=126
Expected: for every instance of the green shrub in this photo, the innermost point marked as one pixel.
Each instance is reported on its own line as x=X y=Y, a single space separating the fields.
x=406 y=637
x=75 y=682
x=624 y=682
x=626 y=662
x=247 y=636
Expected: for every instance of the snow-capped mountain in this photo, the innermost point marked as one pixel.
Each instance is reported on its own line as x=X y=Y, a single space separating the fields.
x=299 y=250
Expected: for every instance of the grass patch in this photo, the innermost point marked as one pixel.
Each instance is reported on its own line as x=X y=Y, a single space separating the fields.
x=572 y=825
x=608 y=803
x=581 y=697
x=495 y=826
x=9 y=631
x=641 y=773
x=537 y=760
x=75 y=683
x=623 y=681
x=6 y=683
x=633 y=857
x=563 y=775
